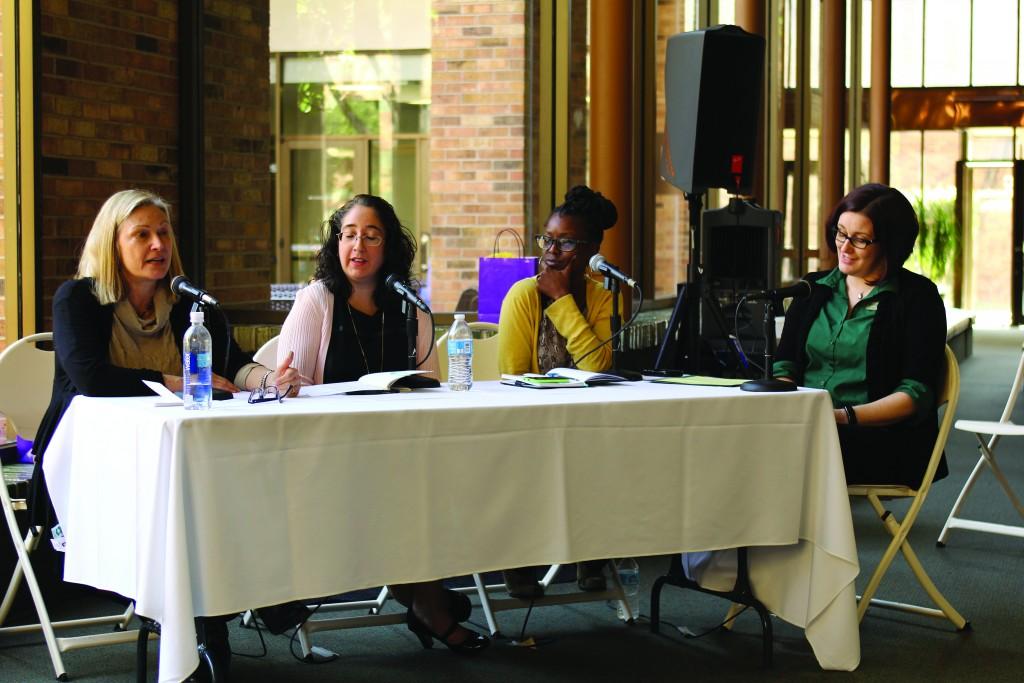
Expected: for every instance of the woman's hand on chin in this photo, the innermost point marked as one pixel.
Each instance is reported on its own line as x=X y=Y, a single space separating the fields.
x=553 y=283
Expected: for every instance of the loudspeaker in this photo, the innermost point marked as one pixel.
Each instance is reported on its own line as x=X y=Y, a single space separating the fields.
x=712 y=98
x=740 y=250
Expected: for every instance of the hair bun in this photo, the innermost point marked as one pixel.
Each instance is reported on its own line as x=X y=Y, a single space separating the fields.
x=598 y=209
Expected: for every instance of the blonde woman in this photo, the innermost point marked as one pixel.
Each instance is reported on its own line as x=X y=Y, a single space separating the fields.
x=117 y=323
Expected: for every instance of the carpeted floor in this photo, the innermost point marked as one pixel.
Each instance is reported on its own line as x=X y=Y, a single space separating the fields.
x=982 y=575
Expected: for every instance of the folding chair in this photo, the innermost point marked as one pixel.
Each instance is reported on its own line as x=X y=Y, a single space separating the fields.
x=995 y=431
x=267 y=354
x=26 y=378
x=485 y=352
x=948 y=395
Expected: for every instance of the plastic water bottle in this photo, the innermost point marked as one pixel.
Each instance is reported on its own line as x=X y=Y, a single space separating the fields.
x=460 y=355
x=629 y=577
x=197 y=364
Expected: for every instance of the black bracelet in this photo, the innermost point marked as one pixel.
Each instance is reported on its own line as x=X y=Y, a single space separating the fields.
x=851 y=416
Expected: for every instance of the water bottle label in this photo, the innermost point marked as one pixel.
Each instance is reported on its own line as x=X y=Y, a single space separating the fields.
x=197 y=362
x=458 y=347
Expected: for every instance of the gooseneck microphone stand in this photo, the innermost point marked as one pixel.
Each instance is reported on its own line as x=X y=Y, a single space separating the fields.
x=613 y=286
x=768 y=382
x=411 y=328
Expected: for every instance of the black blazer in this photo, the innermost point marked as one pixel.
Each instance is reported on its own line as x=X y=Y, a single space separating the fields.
x=907 y=339
x=81 y=339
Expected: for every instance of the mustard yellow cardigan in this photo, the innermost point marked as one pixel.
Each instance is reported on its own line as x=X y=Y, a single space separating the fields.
x=519 y=326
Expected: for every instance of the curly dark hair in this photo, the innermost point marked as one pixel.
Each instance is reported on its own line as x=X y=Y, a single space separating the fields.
x=892 y=216
x=399 y=248
x=596 y=212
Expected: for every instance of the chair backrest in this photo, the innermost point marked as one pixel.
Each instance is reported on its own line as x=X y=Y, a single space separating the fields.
x=949 y=396
x=1018 y=384
x=26 y=382
x=485 y=352
x=267 y=354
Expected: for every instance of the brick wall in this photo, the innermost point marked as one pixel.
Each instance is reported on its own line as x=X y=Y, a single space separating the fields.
x=477 y=125
x=239 y=150
x=109 y=120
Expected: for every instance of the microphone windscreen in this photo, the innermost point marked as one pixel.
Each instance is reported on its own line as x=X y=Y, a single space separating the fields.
x=595 y=261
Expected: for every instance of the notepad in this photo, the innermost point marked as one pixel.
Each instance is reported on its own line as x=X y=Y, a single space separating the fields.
x=701 y=380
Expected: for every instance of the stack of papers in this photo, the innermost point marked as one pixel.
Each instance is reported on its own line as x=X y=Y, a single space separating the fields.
x=701 y=380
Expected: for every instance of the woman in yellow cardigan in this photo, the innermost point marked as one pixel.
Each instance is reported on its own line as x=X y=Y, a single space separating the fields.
x=557 y=319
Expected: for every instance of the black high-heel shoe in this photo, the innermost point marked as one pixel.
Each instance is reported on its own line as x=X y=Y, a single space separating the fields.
x=473 y=644
x=459 y=605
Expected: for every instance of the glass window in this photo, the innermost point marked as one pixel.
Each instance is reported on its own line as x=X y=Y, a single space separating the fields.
x=995 y=43
x=905 y=160
x=907 y=43
x=989 y=144
x=672 y=227
x=947 y=43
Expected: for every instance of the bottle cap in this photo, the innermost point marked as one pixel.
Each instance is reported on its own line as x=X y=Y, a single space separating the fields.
x=195 y=317
x=460 y=316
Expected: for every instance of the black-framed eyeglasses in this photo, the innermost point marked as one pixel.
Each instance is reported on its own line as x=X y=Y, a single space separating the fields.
x=263 y=394
x=368 y=240
x=857 y=242
x=563 y=243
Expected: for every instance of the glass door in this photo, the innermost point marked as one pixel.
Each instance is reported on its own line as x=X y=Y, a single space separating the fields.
x=320 y=177
x=986 y=199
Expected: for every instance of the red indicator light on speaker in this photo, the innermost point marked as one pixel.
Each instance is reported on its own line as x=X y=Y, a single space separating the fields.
x=737 y=164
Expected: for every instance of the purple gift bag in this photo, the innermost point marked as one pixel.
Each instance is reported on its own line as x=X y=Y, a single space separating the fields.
x=498 y=273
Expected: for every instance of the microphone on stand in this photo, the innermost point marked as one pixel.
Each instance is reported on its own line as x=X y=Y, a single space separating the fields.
x=599 y=264
x=801 y=288
x=182 y=287
x=403 y=291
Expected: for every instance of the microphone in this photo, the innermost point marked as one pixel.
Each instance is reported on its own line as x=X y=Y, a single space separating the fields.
x=600 y=264
x=182 y=287
x=394 y=283
x=801 y=288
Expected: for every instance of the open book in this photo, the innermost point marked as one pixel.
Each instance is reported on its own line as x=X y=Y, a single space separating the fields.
x=376 y=383
x=590 y=378
x=533 y=381
x=562 y=377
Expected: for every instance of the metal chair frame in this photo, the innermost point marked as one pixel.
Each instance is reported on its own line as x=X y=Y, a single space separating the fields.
x=25 y=546
x=948 y=395
x=1005 y=427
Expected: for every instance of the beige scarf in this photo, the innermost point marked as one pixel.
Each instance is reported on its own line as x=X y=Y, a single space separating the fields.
x=145 y=343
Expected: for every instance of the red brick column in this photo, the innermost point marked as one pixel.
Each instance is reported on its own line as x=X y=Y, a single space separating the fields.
x=477 y=127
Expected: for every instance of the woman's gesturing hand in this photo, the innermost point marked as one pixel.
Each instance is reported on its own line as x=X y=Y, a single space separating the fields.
x=288 y=378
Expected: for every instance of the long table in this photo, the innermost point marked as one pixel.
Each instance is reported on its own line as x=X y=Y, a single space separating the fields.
x=203 y=513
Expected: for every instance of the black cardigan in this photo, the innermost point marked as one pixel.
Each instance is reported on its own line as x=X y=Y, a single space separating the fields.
x=81 y=339
x=907 y=340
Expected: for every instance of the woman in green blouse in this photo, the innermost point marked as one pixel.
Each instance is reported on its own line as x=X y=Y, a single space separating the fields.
x=872 y=334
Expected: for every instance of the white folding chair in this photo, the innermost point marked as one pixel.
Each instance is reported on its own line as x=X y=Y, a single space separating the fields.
x=26 y=379
x=267 y=354
x=981 y=429
x=485 y=352
x=875 y=493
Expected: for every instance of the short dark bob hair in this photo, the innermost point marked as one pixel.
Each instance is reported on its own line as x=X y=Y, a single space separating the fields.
x=892 y=216
x=399 y=248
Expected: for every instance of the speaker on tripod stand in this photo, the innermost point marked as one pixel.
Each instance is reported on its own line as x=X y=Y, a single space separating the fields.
x=712 y=98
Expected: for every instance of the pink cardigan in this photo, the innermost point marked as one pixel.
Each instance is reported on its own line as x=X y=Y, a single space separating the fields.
x=307 y=332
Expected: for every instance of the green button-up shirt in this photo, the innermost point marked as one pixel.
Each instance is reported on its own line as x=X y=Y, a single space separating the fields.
x=837 y=349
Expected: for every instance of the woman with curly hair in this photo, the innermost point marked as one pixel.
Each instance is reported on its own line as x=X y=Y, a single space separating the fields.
x=346 y=324
x=557 y=319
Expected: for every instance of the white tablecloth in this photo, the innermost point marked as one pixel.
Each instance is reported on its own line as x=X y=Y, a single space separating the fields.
x=194 y=513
